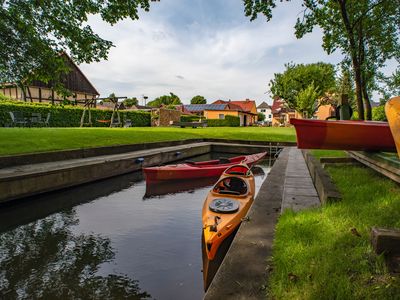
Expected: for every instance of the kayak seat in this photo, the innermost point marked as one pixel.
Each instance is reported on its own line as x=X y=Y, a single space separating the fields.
x=232 y=185
x=237 y=185
x=224 y=160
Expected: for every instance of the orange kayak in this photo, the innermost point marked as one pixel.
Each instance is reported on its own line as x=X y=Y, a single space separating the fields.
x=226 y=205
x=392 y=110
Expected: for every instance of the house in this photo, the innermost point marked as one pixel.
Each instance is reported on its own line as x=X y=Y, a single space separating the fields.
x=219 y=109
x=266 y=110
x=281 y=113
x=248 y=110
x=75 y=81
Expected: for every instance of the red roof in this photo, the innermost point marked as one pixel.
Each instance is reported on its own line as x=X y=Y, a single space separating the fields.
x=244 y=106
x=278 y=106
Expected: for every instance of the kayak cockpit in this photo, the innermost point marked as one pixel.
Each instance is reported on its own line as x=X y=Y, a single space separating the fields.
x=231 y=185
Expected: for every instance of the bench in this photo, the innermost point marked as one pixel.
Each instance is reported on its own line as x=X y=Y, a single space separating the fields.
x=28 y=119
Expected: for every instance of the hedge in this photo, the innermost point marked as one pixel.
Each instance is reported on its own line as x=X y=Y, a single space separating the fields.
x=229 y=121
x=68 y=116
x=190 y=118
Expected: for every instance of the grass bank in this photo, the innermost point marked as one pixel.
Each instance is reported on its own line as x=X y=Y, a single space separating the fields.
x=328 y=153
x=317 y=255
x=29 y=140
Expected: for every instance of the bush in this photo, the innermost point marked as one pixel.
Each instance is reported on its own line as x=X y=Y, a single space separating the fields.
x=69 y=116
x=190 y=118
x=229 y=121
x=232 y=121
x=378 y=113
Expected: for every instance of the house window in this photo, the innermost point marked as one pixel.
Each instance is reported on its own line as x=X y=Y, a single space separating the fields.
x=221 y=116
x=263 y=110
x=269 y=116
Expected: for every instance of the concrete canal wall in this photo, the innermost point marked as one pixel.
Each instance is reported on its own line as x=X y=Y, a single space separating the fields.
x=56 y=170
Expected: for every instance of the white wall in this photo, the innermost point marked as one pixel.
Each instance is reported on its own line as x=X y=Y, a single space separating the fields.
x=267 y=113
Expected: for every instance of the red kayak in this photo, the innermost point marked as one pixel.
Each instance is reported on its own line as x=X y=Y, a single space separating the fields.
x=343 y=135
x=188 y=170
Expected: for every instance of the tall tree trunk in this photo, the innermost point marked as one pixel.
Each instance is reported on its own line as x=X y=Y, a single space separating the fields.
x=364 y=72
x=29 y=93
x=367 y=103
x=354 y=59
x=22 y=87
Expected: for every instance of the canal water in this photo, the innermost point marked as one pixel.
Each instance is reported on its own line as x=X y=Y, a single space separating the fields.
x=112 y=239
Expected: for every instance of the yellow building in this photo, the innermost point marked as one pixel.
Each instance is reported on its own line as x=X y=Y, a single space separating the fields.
x=219 y=109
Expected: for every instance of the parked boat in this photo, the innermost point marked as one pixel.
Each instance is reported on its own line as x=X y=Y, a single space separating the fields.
x=343 y=135
x=187 y=170
x=224 y=208
x=392 y=110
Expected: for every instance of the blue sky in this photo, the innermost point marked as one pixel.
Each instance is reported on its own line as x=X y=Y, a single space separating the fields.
x=201 y=47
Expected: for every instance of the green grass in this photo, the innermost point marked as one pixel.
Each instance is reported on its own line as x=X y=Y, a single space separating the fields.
x=316 y=256
x=28 y=140
x=328 y=153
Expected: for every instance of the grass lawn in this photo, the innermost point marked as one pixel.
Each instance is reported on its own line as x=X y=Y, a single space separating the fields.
x=316 y=255
x=28 y=140
x=328 y=153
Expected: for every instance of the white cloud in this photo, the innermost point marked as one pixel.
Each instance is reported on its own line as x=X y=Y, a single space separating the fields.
x=228 y=59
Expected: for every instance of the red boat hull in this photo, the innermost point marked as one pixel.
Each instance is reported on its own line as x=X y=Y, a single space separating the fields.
x=197 y=170
x=343 y=135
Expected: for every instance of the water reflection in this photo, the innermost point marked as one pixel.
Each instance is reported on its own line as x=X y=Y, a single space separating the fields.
x=101 y=239
x=45 y=259
x=155 y=189
x=33 y=208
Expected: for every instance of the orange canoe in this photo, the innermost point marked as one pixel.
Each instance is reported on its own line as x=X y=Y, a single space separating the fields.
x=226 y=205
x=392 y=110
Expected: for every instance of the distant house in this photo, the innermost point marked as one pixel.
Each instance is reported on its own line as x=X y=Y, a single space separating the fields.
x=75 y=81
x=219 y=109
x=248 y=115
x=266 y=110
x=281 y=113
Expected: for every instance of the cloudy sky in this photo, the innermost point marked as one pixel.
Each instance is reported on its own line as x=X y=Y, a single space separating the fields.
x=201 y=47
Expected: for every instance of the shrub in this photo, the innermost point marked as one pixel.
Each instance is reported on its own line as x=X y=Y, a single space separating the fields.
x=190 y=118
x=378 y=113
x=232 y=121
x=69 y=116
x=229 y=121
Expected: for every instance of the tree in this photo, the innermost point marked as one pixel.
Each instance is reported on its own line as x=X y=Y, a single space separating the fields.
x=298 y=79
x=365 y=31
x=129 y=102
x=198 y=100
x=33 y=33
x=260 y=116
x=306 y=100
x=165 y=100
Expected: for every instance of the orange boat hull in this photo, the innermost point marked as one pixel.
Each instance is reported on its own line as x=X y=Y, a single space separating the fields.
x=343 y=135
x=227 y=222
x=392 y=110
